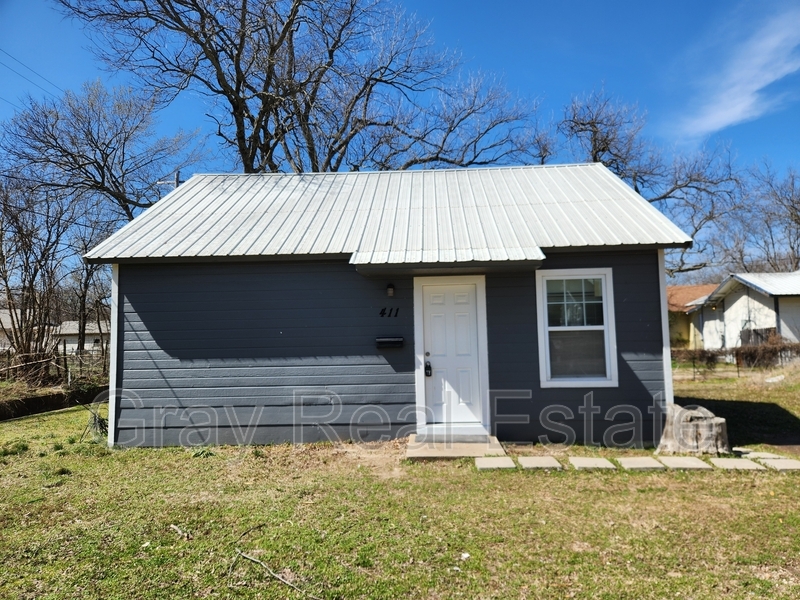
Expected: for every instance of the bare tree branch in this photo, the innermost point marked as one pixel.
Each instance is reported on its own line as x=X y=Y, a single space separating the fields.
x=33 y=225
x=317 y=85
x=95 y=142
x=697 y=191
x=765 y=234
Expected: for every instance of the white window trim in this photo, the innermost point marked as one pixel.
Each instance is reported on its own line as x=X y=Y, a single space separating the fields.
x=612 y=375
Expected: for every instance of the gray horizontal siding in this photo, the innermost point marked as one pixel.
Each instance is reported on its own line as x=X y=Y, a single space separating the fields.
x=265 y=397
x=190 y=435
x=251 y=344
x=514 y=349
x=212 y=350
x=242 y=416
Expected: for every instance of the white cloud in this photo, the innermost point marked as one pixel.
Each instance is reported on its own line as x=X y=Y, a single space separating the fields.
x=736 y=92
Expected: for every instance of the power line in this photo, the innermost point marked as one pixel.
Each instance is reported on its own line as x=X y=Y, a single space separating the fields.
x=11 y=103
x=31 y=70
x=27 y=79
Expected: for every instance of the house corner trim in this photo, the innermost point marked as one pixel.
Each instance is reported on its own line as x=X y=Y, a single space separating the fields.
x=113 y=347
x=669 y=394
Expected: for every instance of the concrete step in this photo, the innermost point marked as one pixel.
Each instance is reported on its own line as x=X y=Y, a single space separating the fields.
x=449 y=449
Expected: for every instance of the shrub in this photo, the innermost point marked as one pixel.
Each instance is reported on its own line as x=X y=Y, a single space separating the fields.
x=84 y=391
x=706 y=358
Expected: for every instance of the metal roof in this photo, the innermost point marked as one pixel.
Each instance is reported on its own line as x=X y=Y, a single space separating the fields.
x=71 y=328
x=442 y=216
x=769 y=284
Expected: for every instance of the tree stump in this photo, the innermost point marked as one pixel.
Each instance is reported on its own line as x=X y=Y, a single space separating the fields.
x=693 y=430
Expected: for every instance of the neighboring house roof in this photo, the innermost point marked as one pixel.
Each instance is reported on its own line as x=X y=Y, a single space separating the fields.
x=769 y=284
x=5 y=318
x=680 y=298
x=445 y=216
x=71 y=328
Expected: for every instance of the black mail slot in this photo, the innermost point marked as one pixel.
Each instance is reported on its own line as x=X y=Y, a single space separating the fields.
x=389 y=342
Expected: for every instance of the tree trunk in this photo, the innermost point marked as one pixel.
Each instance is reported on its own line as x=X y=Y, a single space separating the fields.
x=693 y=430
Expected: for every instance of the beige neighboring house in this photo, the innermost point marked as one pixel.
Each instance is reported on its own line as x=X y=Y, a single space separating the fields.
x=5 y=324
x=68 y=332
x=748 y=308
x=684 y=322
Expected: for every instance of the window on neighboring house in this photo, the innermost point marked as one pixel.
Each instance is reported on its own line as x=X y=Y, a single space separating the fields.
x=577 y=341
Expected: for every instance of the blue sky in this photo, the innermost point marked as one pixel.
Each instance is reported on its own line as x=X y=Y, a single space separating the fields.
x=705 y=72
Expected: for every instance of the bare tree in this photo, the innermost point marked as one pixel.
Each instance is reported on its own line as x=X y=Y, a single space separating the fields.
x=86 y=281
x=33 y=224
x=96 y=149
x=765 y=234
x=696 y=190
x=96 y=142
x=315 y=85
x=598 y=128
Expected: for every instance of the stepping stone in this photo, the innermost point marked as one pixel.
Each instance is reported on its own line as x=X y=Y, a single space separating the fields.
x=539 y=462
x=686 y=463
x=640 y=463
x=488 y=463
x=782 y=464
x=762 y=455
x=736 y=464
x=582 y=463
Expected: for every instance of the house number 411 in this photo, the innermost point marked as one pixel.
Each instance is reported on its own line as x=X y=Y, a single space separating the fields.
x=390 y=312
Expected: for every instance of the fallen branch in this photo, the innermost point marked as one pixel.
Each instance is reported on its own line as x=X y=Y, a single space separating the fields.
x=22 y=366
x=184 y=534
x=271 y=572
x=251 y=530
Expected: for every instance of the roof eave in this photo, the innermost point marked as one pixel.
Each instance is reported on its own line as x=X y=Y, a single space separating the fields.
x=450 y=268
x=138 y=260
x=626 y=247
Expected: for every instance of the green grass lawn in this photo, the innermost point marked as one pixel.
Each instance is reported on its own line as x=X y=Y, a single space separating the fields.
x=760 y=413
x=80 y=521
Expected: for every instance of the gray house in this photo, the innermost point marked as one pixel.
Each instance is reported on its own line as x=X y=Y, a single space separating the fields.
x=528 y=302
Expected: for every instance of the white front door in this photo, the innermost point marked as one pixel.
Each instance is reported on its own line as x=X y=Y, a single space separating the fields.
x=451 y=353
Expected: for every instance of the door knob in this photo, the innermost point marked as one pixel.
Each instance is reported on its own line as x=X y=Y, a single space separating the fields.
x=428 y=369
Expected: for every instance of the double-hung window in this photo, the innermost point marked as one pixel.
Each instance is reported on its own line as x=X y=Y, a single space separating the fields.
x=577 y=341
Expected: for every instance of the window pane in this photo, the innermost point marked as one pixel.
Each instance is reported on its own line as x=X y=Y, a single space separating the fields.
x=555 y=315
x=574 y=290
x=577 y=354
x=555 y=290
x=594 y=313
x=575 y=314
x=593 y=290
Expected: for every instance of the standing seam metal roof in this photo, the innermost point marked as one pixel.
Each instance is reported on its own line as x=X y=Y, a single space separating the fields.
x=769 y=284
x=444 y=216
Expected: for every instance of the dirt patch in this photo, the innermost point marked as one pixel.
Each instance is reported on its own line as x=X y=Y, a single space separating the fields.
x=381 y=457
